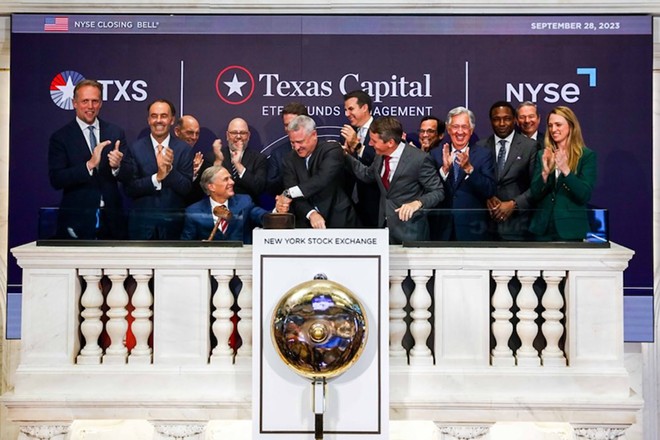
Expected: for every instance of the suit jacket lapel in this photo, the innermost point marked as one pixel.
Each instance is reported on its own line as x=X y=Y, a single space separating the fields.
x=378 y=164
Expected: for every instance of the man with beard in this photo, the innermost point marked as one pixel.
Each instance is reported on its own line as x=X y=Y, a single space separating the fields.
x=247 y=166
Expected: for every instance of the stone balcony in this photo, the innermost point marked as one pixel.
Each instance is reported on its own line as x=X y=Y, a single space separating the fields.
x=477 y=335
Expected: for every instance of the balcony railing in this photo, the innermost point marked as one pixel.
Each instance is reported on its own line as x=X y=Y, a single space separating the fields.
x=477 y=335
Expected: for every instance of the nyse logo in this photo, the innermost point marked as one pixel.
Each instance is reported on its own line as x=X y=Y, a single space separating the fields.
x=550 y=92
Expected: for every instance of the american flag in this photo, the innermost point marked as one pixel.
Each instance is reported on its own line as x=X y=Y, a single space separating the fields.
x=56 y=24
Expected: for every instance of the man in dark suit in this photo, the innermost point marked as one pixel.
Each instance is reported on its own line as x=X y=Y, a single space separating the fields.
x=275 y=184
x=247 y=166
x=314 y=175
x=528 y=119
x=514 y=167
x=161 y=167
x=357 y=108
x=200 y=218
x=406 y=178
x=85 y=162
x=468 y=178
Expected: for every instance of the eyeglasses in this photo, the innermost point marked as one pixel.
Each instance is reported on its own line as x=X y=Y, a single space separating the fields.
x=239 y=133
x=429 y=131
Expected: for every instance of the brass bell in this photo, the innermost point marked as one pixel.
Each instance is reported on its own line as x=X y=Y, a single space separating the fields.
x=319 y=328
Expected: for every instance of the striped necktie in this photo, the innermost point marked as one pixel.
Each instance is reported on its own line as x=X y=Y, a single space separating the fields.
x=92 y=138
x=501 y=156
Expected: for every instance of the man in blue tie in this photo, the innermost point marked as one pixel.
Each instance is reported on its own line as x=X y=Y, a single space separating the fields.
x=468 y=177
x=85 y=162
x=514 y=166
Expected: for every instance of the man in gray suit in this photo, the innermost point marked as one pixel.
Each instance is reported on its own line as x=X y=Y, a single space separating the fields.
x=407 y=180
x=515 y=154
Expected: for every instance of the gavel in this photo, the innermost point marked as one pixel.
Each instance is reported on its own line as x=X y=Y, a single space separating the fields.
x=222 y=213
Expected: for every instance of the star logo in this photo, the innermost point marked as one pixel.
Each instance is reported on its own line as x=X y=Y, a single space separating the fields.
x=234 y=85
x=61 y=88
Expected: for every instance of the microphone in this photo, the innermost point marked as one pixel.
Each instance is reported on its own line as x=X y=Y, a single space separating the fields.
x=222 y=213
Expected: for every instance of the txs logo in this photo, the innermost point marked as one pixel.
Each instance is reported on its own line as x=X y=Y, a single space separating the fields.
x=63 y=84
x=550 y=92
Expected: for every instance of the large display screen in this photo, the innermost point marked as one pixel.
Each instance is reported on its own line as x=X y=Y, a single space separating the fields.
x=220 y=67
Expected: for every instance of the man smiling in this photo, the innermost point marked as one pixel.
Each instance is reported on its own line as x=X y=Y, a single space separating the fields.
x=162 y=177
x=313 y=175
x=468 y=177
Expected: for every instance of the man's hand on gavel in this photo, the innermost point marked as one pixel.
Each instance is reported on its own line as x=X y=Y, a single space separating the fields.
x=282 y=204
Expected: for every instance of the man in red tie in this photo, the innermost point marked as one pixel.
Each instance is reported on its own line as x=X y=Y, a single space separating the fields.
x=407 y=180
x=204 y=221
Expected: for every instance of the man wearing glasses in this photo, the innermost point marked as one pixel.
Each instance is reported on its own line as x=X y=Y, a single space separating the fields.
x=431 y=130
x=248 y=167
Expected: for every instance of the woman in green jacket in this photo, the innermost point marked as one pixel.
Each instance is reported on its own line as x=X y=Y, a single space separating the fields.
x=563 y=180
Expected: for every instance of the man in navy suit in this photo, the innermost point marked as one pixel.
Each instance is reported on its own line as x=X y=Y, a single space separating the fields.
x=275 y=184
x=200 y=218
x=515 y=156
x=161 y=167
x=85 y=162
x=357 y=108
x=468 y=178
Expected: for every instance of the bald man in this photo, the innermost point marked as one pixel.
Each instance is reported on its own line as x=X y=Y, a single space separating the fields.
x=247 y=166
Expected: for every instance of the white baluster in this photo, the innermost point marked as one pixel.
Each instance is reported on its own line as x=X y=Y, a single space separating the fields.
x=420 y=327
x=527 y=328
x=502 y=301
x=91 y=327
x=397 y=314
x=245 y=315
x=141 y=327
x=117 y=325
x=222 y=327
x=552 y=328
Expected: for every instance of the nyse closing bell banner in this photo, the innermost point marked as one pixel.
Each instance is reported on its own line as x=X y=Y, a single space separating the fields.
x=220 y=67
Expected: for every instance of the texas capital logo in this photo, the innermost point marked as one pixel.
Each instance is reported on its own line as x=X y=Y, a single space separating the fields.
x=234 y=85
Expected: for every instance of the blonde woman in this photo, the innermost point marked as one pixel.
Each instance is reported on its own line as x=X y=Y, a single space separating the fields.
x=563 y=180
